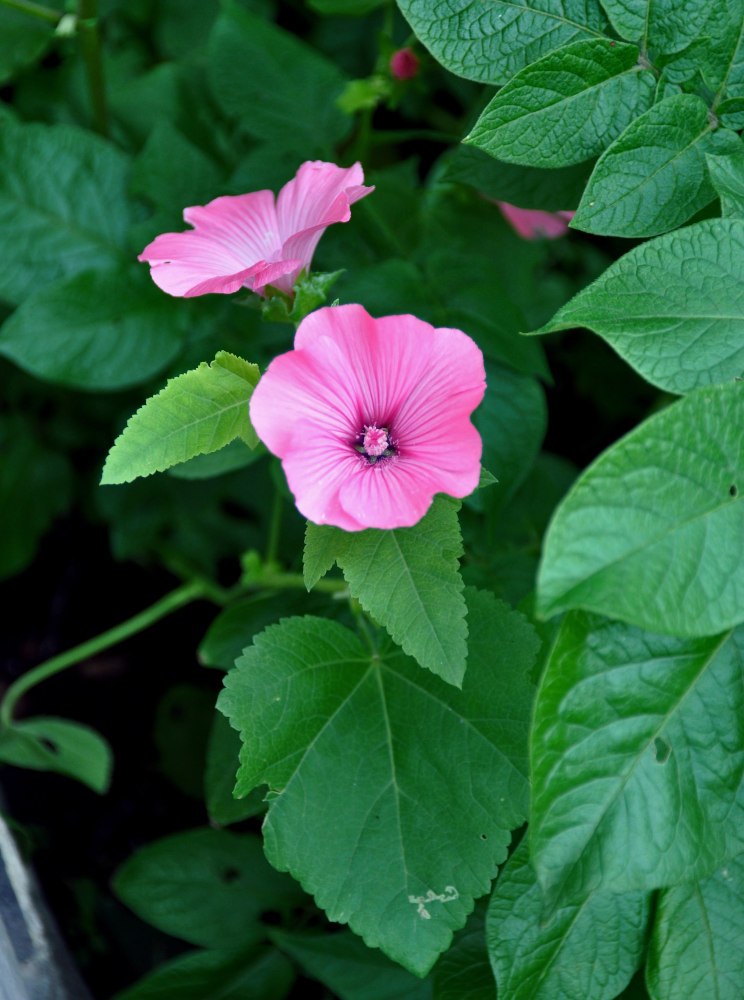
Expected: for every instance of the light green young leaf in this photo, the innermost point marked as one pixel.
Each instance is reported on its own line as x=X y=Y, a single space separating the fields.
x=652 y=532
x=491 y=42
x=680 y=326
x=637 y=759
x=45 y=743
x=654 y=177
x=198 y=412
x=727 y=175
x=566 y=107
x=695 y=949
x=408 y=579
x=96 y=330
x=388 y=839
x=588 y=949
x=206 y=886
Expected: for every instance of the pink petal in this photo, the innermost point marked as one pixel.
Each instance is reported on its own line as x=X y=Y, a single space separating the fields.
x=316 y=475
x=281 y=275
x=531 y=224
x=245 y=224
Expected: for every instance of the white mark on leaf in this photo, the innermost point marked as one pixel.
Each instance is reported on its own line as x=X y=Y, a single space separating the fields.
x=449 y=895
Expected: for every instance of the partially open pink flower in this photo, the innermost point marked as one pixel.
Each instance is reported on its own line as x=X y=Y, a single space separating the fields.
x=404 y=64
x=248 y=240
x=532 y=224
x=371 y=417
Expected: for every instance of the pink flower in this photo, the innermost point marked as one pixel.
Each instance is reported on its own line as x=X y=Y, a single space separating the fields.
x=371 y=417
x=531 y=224
x=249 y=241
x=404 y=64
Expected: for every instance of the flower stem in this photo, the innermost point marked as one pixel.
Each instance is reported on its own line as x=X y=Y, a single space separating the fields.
x=293 y=581
x=90 y=49
x=171 y=602
x=34 y=10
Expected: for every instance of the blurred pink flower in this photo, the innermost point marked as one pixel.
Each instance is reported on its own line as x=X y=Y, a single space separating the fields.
x=404 y=64
x=371 y=417
x=531 y=224
x=250 y=241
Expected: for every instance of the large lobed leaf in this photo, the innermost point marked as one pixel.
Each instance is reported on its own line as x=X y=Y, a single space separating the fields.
x=637 y=758
x=653 y=531
x=365 y=756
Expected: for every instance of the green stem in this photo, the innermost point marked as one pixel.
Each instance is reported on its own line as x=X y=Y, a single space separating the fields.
x=90 y=48
x=34 y=10
x=294 y=581
x=171 y=602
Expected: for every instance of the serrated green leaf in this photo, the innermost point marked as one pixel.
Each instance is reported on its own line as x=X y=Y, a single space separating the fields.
x=662 y=25
x=219 y=777
x=45 y=743
x=492 y=42
x=67 y=214
x=77 y=331
x=206 y=886
x=388 y=839
x=637 y=758
x=727 y=175
x=408 y=579
x=567 y=106
x=588 y=949
x=291 y=88
x=654 y=177
x=680 y=327
x=653 y=531
x=695 y=950
x=464 y=971
x=198 y=412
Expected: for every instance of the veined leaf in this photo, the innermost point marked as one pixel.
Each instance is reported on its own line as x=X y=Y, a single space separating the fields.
x=653 y=531
x=654 y=177
x=679 y=326
x=364 y=752
x=197 y=412
x=408 y=579
x=637 y=759
x=567 y=106
x=727 y=175
x=464 y=971
x=491 y=42
x=662 y=25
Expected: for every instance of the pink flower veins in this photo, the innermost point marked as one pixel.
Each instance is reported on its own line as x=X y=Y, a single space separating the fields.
x=251 y=241
x=532 y=224
x=371 y=417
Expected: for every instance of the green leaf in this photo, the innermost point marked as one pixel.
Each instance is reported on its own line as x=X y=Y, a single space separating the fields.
x=408 y=579
x=183 y=719
x=24 y=40
x=663 y=25
x=464 y=971
x=492 y=42
x=347 y=8
x=637 y=763
x=695 y=949
x=206 y=886
x=45 y=743
x=588 y=949
x=654 y=177
x=219 y=777
x=653 y=531
x=731 y=114
x=67 y=214
x=680 y=327
x=197 y=180
x=217 y=975
x=96 y=330
x=727 y=175
x=198 y=412
x=235 y=455
x=566 y=107
x=388 y=838
x=291 y=88
x=350 y=969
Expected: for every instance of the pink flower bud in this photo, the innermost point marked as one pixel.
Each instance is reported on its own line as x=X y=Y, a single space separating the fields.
x=404 y=64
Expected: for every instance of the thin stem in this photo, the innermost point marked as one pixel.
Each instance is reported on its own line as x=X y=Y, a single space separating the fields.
x=294 y=581
x=34 y=10
x=171 y=602
x=90 y=49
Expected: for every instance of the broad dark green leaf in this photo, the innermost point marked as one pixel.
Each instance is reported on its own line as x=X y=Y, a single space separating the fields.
x=695 y=949
x=662 y=25
x=491 y=42
x=408 y=579
x=364 y=752
x=653 y=531
x=196 y=181
x=464 y=971
x=183 y=719
x=727 y=175
x=219 y=778
x=654 y=176
x=198 y=412
x=587 y=950
x=679 y=326
x=206 y=886
x=235 y=455
x=291 y=89
x=637 y=758
x=24 y=39
x=217 y=975
x=45 y=743
x=63 y=205
x=566 y=107
x=96 y=330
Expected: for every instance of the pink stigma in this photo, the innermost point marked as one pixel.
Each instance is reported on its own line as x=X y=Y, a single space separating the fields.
x=375 y=440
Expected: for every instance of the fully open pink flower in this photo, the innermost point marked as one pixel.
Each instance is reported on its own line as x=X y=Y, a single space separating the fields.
x=250 y=241
x=532 y=224
x=371 y=417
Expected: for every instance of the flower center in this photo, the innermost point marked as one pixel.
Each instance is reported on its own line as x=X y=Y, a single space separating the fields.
x=374 y=443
